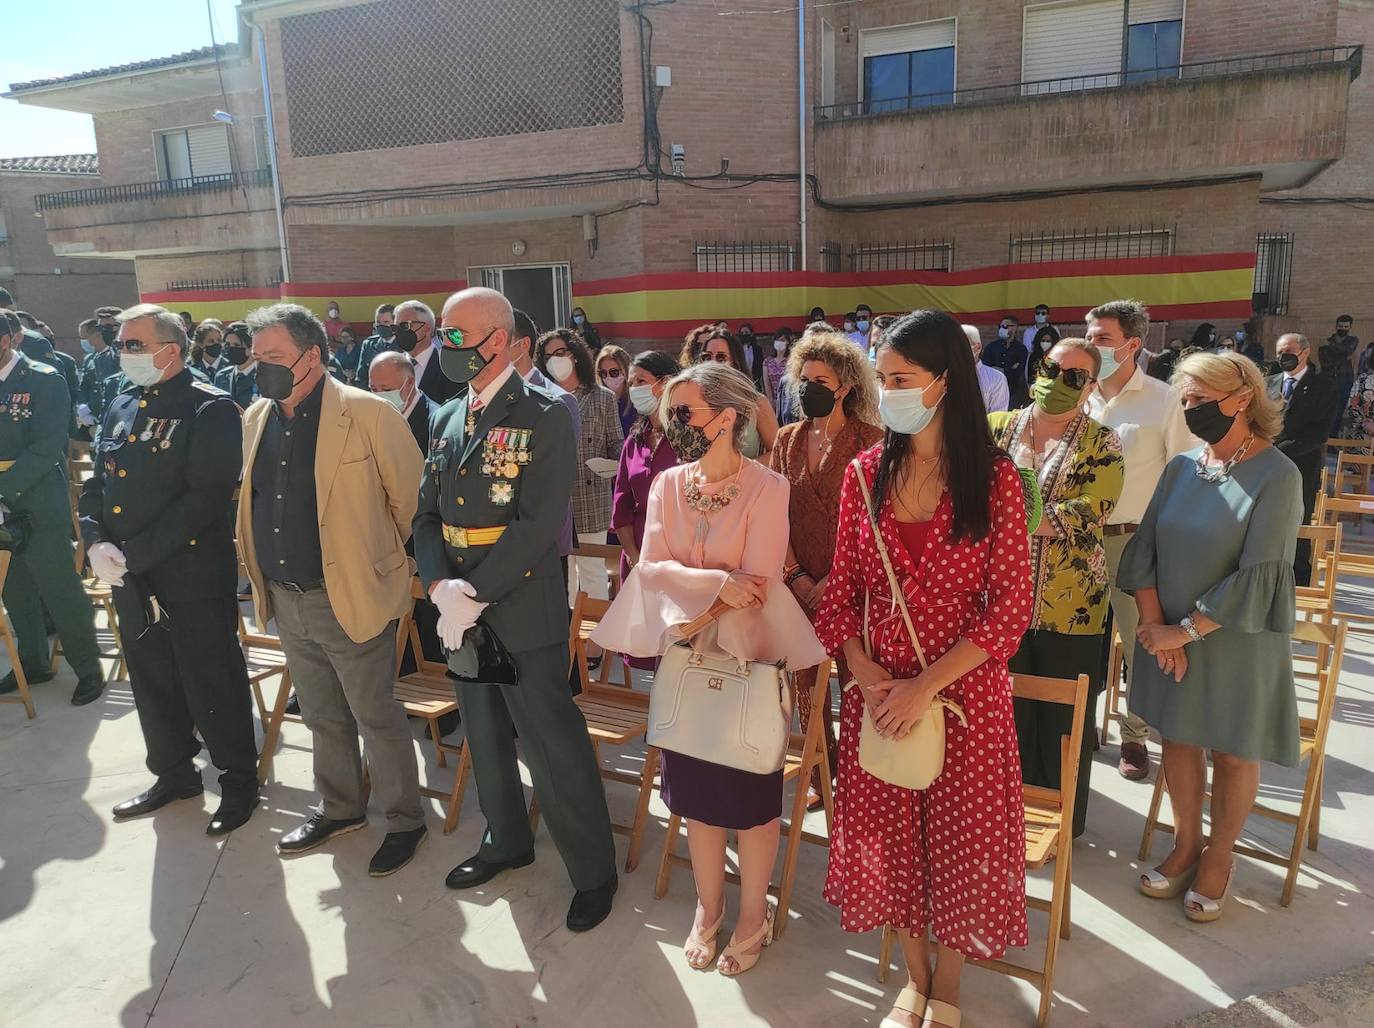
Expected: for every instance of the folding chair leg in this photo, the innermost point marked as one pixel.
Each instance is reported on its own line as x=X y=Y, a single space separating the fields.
x=121 y=668
x=455 y=797
x=1067 y=857
x=885 y=952
x=271 y=728
x=795 y=828
x=646 y=791
x=262 y=704
x=828 y=791
x=1152 y=818
x=439 y=757
x=534 y=814
x=25 y=696
x=1314 y=829
x=1059 y=912
x=665 y=865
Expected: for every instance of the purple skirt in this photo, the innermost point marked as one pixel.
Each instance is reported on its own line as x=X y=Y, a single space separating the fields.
x=719 y=795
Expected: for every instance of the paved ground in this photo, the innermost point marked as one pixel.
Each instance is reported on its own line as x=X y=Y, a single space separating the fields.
x=152 y=922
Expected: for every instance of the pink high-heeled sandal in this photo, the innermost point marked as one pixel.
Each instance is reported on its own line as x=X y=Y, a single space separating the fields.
x=738 y=951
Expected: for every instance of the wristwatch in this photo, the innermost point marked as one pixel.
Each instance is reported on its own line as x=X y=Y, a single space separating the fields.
x=1187 y=625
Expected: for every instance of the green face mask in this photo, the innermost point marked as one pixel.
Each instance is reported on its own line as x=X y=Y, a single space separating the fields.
x=1054 y=395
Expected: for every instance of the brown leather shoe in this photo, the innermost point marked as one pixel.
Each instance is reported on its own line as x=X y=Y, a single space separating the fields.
x=1135 y=761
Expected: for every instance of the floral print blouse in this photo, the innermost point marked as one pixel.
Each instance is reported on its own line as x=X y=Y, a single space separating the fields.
x=1080 y=484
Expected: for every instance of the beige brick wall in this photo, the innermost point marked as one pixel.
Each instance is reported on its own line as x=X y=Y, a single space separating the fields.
x=126 y=141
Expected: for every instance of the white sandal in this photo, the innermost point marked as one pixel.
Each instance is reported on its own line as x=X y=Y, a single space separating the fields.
x=1157 y=885
x=909 y=1001
x=1208 y=909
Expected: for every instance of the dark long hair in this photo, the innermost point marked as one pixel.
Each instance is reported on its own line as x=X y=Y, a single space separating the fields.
x=697 y=339
x=1201 y=335
x=936 y=342
x=577 y=349
x=661 y=366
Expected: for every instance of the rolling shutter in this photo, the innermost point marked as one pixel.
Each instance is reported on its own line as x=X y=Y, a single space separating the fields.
x=905 y=39
x=1142 y=11
x=1071 y=40
x=209 y=146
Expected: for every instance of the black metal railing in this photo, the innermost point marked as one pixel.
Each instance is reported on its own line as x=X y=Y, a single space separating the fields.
x=917 y=255
x=135 y=191
x=1104 y=243
x=200 y=285
x=1349 y=56
x=1273 y=272
x=745 y=256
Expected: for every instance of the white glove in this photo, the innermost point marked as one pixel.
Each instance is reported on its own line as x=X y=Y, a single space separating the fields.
x=451 y=633
x=108 y=563
x=455 y=600
x=84 y=415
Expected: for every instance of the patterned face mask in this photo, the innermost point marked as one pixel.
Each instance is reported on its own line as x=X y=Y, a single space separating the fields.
x=689 y=442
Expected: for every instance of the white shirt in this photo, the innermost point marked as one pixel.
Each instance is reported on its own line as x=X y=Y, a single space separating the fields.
x=412 y=402
x=489 y=393
x=422 y=361
x=859 y=339
x=1296 y=378
x=996 y=392
x=1148 y=418
x=9 y=364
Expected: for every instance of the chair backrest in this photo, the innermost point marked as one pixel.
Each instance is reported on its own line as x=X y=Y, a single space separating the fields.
x=1330 y=642
x=1069 y=692
x=408 y=635
x=1330 y=507
x=608 y=552
x=1355 y=465
x=1340 y=445
x=1326 y=553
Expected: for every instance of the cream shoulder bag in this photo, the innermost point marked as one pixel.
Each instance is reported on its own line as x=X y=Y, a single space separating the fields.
x=917 y=760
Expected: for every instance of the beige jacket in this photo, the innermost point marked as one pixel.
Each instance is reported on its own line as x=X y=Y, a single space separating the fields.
x=367 y=481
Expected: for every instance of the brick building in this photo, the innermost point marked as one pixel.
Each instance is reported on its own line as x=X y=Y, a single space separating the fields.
x=644 y=161
x=60 y=290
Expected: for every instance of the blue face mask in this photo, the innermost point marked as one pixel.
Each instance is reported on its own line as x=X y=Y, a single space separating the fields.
x=905 y=410
x=86 y=346
x=1110 y=363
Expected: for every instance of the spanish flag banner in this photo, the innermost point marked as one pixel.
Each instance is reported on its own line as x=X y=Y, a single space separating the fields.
x=1212 y=286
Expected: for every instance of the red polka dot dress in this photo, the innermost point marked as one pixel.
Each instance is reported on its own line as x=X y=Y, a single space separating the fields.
x=951 y=857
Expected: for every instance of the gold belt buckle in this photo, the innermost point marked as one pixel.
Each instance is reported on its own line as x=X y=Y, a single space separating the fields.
x=456 y=536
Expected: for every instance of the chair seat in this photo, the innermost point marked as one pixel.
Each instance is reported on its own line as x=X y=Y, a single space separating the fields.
x=1043 y=826
x=97 y=590
x=263 y=661
x=613 y=722
x=426 y=695
x=586 y=628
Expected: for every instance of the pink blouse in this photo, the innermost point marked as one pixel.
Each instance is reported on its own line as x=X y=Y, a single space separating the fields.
x=685 y=560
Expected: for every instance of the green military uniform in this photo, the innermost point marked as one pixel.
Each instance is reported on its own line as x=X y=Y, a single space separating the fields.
x=369 y=348
x=242 y=386
x=36 y=347
x=510 y=468
x=98 y=366
x=35 y=408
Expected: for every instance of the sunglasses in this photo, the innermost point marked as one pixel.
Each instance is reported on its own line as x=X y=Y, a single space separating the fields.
x=682 y=413
x=452 y=338
x=609 y=373
x=720 y=358
x=1074 y=378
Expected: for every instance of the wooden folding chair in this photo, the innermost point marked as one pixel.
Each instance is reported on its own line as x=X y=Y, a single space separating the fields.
x=1353 y=465
x=108 y=639
x=1049 y=836
x=592 y=611
x=265 y=659
x=1317 y=596
x=805 y=753
x=1329 y=639
x=1111 y=704
x=1347 y=561
x=11 y=647
x=428 y=693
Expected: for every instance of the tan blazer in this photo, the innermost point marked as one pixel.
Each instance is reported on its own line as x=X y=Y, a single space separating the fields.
x=367 y=481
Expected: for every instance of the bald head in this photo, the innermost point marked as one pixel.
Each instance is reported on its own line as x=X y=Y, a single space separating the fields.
x=487 y=322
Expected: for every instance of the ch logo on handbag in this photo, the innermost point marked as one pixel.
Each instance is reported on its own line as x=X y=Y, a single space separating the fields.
x=715 y=683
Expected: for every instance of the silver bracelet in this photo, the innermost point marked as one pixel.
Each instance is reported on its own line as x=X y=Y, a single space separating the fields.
x=1188 y=626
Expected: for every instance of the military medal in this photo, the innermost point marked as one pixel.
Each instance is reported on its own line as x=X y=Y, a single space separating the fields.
x=471 y=424
x=522 y=455
x=502 y=492
x=148 y=427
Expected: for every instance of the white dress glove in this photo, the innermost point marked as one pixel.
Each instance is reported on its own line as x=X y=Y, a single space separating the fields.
x=458 y=610
x=84 y=415
x=108 y=563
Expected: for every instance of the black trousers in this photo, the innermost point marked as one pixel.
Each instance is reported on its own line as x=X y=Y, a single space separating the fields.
x=1311 y=482
x=1040 y=725
x=188 y=675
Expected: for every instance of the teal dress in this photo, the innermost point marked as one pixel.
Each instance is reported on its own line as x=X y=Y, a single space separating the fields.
x=1226 y=549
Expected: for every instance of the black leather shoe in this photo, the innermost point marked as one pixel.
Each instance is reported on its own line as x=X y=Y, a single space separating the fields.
x=316 y=832
x=161 y=794
x=592 y=907
x=234 y=811
x=397 y=850
x=293 y=705
x=88 y=690
x=11 y=684
x=478 y=870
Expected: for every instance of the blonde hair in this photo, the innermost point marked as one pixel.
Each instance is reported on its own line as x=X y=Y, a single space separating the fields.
x=723 y=388
x=1074 y=343
x=615 y=353
x=847 y=361
x=1230 y=373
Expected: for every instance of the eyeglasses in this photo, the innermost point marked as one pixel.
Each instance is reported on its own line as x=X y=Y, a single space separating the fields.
x=1074 y=378
x=609 y=373
x=550 y=354
x=682 y=413
x=452 y=338
x=138 y=346
x=707 y=356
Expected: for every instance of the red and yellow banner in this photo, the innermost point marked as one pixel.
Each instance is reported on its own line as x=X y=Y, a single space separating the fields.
x=1215 y=286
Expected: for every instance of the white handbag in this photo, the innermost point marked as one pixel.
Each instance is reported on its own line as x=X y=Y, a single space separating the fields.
x=917 y=760
x=713 y=707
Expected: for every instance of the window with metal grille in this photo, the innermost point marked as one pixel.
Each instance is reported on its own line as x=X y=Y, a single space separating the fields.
x=1091 y=244
x=745 y=256
x=440 y=71
x=1273 y=272
x=922 y=256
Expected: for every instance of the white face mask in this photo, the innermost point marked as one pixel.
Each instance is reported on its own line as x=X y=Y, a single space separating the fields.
x=578 y=319
x=905 y=410
x=561 y=367
x=849 y=326
x=141 y=368
x=642 y=398
x=1003 y=331
x=333 y=312
x=1040 y=319
x=395 y=397
x=779 y=346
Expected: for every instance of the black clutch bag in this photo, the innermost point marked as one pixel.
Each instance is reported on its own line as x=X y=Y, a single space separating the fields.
x=136 y=606
x=482 y=659
x=13 y=531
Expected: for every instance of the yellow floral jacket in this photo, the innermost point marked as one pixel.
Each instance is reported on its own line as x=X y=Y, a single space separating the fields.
x=1080 y=484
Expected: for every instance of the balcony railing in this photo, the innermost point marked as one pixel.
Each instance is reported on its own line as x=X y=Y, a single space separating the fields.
x=1349 y=56
x=135 y=191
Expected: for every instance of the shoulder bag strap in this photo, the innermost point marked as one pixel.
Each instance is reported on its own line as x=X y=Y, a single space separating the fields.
x=897 y=593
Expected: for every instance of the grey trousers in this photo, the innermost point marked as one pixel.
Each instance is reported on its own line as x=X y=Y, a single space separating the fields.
x=1127 y=619
x=553 y=736
x=345 y=688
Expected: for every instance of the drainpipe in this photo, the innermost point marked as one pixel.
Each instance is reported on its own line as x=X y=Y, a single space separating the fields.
x=801 y=125
x=272 y=151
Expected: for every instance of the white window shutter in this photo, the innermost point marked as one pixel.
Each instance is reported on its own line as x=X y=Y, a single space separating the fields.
x=1073 y=40
x=903 y=39
x=1142 y=11
x=209 y=146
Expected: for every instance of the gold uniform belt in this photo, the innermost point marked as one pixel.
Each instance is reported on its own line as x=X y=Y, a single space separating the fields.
x=463 y=537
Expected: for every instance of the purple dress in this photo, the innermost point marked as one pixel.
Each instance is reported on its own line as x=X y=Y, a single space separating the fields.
x=639 y=466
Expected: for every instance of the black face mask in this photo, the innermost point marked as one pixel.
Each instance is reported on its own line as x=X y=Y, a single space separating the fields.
x=237 y=354
x=462 y=365
x=1207 y=422
x=817 y=399
x=1288 y=361
x=275 y=381
x=385 y=331
x=404 y=339
x=212 y=351
x=1342 y=331
x=109 y=333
